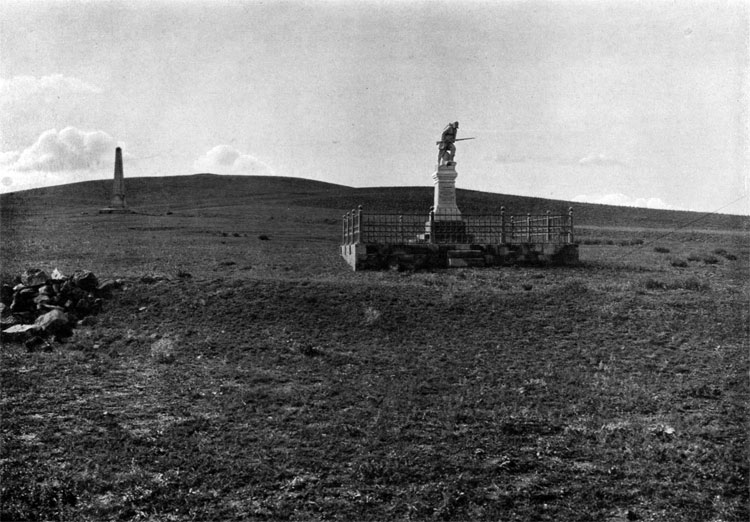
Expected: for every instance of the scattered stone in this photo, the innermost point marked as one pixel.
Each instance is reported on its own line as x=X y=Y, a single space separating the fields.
x=89 y=320
x=6 y=294
x=23 y=300
x=19 y=332
x=85 y=280
x=53 y=304
x=105 y=287
x=34 y=277
x=54 y=322
x=41 y=300
x=8 y=320
x=34 y=342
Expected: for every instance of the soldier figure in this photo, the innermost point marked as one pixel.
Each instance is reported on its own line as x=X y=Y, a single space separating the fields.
x=447 y=150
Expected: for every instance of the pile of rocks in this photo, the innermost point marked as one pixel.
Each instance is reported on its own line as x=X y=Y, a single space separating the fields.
x=46 y=306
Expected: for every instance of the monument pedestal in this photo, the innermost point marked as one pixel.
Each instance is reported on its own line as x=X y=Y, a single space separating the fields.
x=447 y=226
x=445 y=193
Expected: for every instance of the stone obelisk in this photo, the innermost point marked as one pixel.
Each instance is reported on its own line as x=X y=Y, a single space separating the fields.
x=118 y=188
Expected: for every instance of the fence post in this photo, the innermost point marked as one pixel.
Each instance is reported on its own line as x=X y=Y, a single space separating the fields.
x=357 y=214
x=351 y=227
x=344 y=239
x=512 y=228
x=432 y=225
x=570 y=225
x=549 y=228
x=502 y=225
x=528 y=227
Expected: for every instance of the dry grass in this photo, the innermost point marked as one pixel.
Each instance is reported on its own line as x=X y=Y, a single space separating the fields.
x=275 y=384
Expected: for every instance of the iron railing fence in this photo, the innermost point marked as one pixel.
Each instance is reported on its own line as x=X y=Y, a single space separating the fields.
x=445 y=228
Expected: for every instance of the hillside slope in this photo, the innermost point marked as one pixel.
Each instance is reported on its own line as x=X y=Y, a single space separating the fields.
x=160 y=194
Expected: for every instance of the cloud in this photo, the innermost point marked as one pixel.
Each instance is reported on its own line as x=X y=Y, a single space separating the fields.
x=621 y=200
x=21 y=89
x=225 y=159
x=68 y=150
x=600 y=159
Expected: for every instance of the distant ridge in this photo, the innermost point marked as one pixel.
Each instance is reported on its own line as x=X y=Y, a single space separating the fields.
x=212 y=190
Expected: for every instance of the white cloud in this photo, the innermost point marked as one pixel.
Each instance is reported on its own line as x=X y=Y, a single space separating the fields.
x=619 y=199
x=68 y=150
x=600 y=159
x=225 y=159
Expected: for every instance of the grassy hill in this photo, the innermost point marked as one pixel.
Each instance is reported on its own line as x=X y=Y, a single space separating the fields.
x=209 y=190
x=244 y=372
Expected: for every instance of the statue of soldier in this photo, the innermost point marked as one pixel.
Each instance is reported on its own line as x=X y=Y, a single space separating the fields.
x=447 y=150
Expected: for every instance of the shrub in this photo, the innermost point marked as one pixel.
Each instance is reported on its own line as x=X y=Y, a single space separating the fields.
x=654 y=284
x=693 y=284
x=679 y=263
x=661 y=250
x=710 y=260
x=725 y=254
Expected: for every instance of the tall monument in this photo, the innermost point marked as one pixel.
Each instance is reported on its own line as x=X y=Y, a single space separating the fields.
x=445 y=207
x=447 y=224
x=117 y=204
x=118 y=188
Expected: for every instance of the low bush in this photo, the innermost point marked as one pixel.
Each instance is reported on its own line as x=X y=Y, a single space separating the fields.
x=692 y=284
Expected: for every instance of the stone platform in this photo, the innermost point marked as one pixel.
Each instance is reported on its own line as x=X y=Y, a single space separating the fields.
x=410 y=256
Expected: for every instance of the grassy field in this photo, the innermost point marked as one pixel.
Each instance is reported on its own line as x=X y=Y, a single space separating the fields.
x=261 y=379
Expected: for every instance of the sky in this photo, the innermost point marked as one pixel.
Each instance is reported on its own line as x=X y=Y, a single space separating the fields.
x=628 y=103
